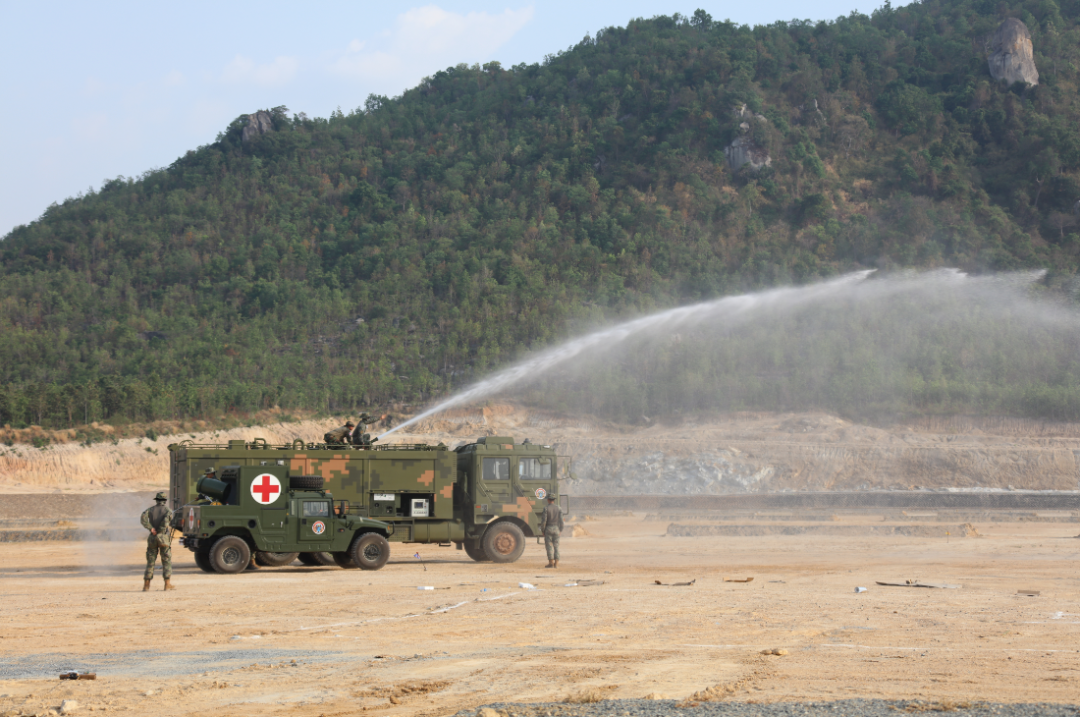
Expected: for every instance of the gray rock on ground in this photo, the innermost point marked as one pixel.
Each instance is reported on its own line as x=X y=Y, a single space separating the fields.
x=1011 y=55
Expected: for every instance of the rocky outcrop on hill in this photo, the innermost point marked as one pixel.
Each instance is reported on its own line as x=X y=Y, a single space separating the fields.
x=743 y=151
x=261 y=123
x=1010 y=54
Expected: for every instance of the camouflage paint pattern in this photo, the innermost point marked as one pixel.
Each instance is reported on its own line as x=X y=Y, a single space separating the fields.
x=356 y=474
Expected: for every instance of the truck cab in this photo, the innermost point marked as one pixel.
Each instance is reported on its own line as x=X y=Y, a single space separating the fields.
x=505 y=486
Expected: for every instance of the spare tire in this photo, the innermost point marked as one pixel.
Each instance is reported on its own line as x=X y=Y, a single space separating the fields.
x=306 y=482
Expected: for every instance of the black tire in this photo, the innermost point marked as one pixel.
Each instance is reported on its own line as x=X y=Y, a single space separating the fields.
x=306 y=482
x=476 y=552
x=203 y=561
x=274 y=560
x=503 y=542
x=344 y=560
x=230 y=555
x=370 y=551
x=317 y=559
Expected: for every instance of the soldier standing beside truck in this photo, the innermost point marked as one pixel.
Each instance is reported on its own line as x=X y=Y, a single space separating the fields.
x=551 y=523
x=158 y=520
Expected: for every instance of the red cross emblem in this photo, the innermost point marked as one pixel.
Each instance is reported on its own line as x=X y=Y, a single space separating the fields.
x=265 y=488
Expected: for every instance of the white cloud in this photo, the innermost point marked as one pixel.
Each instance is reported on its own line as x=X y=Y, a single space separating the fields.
x=427 y=39
x=93 y=87
x=175 y=79
x=243 y=70
x=91 y=127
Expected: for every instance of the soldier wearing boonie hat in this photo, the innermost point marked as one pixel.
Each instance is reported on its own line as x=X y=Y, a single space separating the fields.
x=158 y=520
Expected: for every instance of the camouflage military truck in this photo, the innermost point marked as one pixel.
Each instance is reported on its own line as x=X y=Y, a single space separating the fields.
x=262 y=508
x=485 y=497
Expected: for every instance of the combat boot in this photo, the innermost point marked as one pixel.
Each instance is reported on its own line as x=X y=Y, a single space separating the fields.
x=168 y=585
x=551 y=564
x=145 y=585
x=556 y=564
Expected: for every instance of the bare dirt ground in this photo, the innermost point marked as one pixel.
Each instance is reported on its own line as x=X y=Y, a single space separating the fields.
x=731 y=453
x=322 y=641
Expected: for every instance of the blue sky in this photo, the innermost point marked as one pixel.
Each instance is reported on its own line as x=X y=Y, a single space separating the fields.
x=93 y=91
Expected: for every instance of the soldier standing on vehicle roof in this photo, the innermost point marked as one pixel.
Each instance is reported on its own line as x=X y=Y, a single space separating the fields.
x=551 y=524
x=158 y=520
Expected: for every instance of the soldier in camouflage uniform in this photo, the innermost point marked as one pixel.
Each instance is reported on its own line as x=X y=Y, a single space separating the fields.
x=551 y=524
x=339 y=435
x=158 y=520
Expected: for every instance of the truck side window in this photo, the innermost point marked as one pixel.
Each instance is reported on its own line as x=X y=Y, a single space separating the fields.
x=496 y=469
x=316 y=509
x=533 y=469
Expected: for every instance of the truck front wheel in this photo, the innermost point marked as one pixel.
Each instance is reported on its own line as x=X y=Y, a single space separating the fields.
x=503 y=542
x=344 y=560
x=476 y=551
x=317 y=559
x=370 y=551
x=203 y=561
x=230 y=555
x=274 y=560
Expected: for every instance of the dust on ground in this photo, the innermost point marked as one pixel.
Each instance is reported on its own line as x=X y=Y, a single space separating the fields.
x=325 y=641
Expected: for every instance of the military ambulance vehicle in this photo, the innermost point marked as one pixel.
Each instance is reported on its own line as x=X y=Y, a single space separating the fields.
x=485 y=497
x=261 y=508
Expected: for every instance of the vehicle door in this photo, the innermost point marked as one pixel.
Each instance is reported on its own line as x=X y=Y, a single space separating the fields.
x=313 y=520
x=495 y=483
x=535 y=478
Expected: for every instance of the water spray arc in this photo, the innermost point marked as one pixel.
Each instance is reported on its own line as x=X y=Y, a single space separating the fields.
x=733 y=307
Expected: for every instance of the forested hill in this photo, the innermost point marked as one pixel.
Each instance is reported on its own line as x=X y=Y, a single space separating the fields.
x=402 y=249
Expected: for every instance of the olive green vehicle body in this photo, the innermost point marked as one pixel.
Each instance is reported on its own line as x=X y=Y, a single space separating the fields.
x=426 y=494
x=290 y=520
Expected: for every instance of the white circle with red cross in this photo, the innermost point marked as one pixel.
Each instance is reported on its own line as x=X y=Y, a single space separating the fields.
x=265 y=489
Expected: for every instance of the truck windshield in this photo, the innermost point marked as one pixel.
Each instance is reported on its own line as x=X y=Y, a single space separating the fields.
x=496 y=469
x=533 y=469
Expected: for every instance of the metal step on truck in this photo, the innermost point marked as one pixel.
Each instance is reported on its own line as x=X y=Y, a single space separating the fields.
x=485 y=497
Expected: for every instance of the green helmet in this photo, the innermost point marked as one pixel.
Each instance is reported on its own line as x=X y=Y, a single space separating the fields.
x=160 y=498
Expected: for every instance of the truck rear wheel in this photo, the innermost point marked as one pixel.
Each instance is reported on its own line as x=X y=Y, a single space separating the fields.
x=370 y=551
x=317 y=559
x=273 y=560
x=344 y=560
x=476 y=552
x=203 y=561
x=230 y=555
x=503 y=542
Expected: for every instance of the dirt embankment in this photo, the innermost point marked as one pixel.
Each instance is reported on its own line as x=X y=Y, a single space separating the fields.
x=734 y=453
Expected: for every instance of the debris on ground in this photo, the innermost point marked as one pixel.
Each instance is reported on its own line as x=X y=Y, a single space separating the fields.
x=778 y=651
x=675 y=585
x=738 y=580
x=1030 y=593
x=860 y=590
x=79 y=676
x=916 y=583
